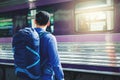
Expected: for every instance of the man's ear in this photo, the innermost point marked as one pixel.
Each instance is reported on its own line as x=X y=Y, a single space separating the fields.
x=35 y=21
x=48 y=24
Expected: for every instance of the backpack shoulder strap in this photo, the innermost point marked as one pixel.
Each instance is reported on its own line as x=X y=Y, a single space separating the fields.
x=41 y=34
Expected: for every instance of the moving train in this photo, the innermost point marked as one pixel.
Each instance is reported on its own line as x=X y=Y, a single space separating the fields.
x=87 y=31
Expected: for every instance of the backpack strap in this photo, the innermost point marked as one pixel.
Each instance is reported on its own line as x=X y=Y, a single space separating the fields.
x=42 y=34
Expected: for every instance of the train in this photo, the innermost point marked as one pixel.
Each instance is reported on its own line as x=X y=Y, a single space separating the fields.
x=87 y=32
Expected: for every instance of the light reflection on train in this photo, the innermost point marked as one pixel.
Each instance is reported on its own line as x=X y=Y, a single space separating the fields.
x=87 y=34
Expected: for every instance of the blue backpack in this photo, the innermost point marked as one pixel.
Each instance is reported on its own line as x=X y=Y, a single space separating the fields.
x=26 y=54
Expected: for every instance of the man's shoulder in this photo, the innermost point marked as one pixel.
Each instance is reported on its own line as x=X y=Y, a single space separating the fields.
x=50 y=37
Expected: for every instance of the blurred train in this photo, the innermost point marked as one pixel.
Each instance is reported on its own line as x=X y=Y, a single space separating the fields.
x=87 y=31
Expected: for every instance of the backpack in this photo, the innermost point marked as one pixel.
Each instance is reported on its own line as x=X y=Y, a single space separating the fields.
x=26 y=54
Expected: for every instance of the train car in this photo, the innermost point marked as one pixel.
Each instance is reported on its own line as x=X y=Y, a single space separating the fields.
x=87 y=31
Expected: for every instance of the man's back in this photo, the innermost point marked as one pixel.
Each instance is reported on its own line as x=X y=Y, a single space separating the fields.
x=50 y=63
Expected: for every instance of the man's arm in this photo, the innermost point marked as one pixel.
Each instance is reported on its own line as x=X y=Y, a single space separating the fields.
x=54 y=59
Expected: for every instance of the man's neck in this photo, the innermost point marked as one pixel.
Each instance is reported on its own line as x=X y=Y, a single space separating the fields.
x=42 y=27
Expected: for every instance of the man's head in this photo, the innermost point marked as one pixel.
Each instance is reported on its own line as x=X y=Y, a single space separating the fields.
x=42 y=18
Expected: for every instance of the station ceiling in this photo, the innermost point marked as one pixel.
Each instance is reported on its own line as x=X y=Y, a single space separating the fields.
x=4 y=3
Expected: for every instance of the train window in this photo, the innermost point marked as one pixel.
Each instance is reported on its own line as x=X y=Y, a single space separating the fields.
x=95 y=16
x=90 y=4
x=31 y=17
x=51 y=27
x=5 y=26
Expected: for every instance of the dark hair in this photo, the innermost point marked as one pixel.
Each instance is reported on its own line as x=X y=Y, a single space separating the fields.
x=19 y=22
x=42 y=17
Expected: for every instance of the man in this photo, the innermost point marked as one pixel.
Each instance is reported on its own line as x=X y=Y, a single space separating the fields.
x=50 y=62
